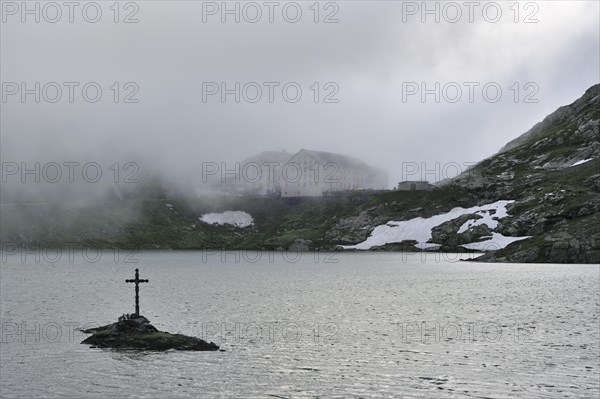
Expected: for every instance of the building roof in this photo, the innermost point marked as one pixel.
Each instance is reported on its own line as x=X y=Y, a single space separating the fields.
x=322 y=157
x=269 y=156
x=342 y=161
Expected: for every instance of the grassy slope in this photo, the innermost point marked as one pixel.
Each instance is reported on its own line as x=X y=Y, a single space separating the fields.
x=151 y=224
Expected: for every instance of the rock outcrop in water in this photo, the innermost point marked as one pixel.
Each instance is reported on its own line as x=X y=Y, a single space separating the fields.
x=136 y=332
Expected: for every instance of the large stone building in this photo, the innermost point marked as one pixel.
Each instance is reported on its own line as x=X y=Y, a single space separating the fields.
x=309 y=174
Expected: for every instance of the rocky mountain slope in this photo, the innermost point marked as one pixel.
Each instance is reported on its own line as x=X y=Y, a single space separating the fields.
x=550 y=175
x=537 y=200
x=553 y=173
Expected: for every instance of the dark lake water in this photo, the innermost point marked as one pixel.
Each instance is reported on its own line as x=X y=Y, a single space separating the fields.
x=302 y=325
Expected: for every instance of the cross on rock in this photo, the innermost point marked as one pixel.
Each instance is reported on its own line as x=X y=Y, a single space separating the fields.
x=137 y=282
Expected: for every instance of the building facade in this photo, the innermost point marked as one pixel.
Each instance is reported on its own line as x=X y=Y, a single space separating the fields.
x=261 y=174
x=316 y=173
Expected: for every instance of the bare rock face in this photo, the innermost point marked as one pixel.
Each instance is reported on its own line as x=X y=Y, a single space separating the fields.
x=353 y=229
x=300 y=245
x=562 y=114
x=403 y=246
x=131 y=325
x=136 y=332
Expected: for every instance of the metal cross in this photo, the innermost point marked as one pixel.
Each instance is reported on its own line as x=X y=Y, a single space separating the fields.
x=137 y=282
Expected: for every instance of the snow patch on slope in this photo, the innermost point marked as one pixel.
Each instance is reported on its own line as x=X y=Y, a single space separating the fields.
x=486 y=218
x=419 y=229
x=582 y=161
x=234 y=218
x=497 y=241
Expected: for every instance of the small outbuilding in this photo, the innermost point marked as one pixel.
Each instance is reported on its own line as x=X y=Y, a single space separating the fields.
x=415 y=186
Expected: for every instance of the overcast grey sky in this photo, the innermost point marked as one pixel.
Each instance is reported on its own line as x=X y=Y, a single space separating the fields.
x=368 y=61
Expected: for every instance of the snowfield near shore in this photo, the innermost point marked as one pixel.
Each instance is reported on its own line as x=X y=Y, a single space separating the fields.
x=234 y=218
x=419 y=229
x=497 y=241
